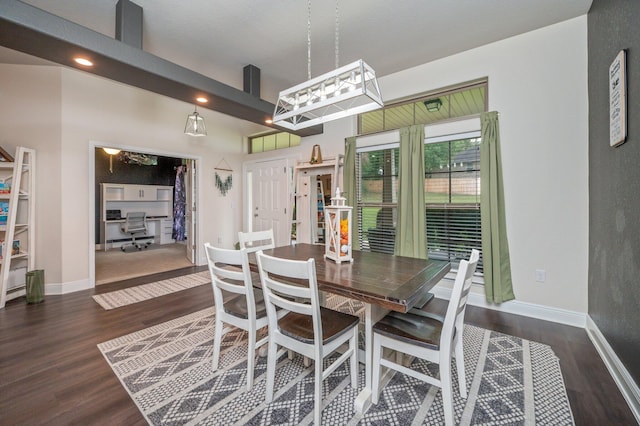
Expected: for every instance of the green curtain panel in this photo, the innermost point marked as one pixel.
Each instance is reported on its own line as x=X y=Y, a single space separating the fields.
x=349 y=181
x=411 y=235
x=495 y=247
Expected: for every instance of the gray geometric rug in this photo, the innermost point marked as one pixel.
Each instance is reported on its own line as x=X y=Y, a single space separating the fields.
x=167 y=371
x=139 y=293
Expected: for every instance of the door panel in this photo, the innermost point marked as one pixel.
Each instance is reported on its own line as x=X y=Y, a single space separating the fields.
x=269 y=199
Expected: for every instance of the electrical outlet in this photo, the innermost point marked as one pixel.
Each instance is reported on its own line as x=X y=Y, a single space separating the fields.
x=541 y=275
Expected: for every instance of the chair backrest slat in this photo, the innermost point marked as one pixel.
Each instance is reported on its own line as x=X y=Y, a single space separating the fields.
x=299 y=292
x=289 y=305
x=258 y=240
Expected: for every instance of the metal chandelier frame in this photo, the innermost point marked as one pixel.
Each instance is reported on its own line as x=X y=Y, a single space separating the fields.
x=348 y=90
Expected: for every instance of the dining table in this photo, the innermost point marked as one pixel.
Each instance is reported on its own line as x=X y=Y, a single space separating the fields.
x=382 y=282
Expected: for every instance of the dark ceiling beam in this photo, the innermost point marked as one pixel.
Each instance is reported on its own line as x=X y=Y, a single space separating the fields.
x=38 y=33
x=129 y=23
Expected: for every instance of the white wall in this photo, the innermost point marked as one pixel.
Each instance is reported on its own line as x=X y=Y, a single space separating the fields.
x=538 y=84
x=69 y=109
x=30 y=99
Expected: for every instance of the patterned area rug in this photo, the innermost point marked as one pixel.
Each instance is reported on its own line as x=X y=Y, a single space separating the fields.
x=167 y=371
x=127 y=296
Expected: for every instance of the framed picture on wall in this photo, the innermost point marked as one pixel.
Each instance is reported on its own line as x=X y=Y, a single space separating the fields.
x=5 y=156
x=618 y=100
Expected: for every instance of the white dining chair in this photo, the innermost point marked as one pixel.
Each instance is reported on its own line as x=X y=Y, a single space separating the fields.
x=237 y=301
x=307 y=328
x=429 y=337
x=257 y=240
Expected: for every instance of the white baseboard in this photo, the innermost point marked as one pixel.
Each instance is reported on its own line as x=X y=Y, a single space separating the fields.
x=64 y=288
x=620 y=374
x=532 y=310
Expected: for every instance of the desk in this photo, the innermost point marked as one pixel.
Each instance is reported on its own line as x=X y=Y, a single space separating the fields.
x=160 y=228
x=383 y=282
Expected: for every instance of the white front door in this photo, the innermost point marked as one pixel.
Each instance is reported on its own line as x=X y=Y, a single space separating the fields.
x=269 y=199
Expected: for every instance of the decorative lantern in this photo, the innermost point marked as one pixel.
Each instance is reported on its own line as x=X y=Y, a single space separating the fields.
x=338 y=230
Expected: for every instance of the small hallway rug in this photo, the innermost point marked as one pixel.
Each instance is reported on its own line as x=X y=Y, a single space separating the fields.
x=139 y=293
x=167 y=371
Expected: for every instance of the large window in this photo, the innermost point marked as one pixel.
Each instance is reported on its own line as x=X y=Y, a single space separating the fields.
x=452 y=171
x=452 y=196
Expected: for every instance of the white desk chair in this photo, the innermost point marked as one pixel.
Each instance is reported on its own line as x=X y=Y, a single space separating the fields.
x=306 y=328
x=428 y=337
x=258 y=240
x=240 y=304
x=135 y=224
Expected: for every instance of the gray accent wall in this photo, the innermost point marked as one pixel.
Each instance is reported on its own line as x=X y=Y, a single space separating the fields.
x=614 y=183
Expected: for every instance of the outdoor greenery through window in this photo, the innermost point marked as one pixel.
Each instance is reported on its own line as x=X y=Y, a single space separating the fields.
x=452 y=198
x=377 y=198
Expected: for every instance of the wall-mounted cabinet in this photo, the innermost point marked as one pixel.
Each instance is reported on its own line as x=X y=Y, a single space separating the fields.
x=127 y=192
x=140 y=193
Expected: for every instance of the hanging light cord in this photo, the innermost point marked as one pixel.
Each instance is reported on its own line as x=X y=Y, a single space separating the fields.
x=337 y=38
x=337 y=34
x=309 y=40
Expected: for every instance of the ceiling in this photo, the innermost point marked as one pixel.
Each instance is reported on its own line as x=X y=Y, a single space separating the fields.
x=218 y=38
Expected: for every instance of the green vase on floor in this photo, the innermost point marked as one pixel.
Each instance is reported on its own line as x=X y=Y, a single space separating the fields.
x=35 y=286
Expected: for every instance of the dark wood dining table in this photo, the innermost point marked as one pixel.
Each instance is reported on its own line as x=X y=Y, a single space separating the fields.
x=383 y=282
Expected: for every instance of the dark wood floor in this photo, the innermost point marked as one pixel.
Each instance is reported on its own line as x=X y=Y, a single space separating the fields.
x=51 y=371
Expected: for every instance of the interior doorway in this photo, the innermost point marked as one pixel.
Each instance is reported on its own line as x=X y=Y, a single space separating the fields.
x=172 y=248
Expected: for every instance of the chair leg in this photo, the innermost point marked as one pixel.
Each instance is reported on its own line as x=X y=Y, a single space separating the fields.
x=447 y=394
x=271 y=369
x=217 y=342
x=251 y=358
x=353 y=344
x=462 y=380
x=375 y=380
x=317 y=411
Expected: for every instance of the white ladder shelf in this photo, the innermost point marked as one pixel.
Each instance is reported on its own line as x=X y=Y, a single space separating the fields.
x=304 y=197
x=20 y=223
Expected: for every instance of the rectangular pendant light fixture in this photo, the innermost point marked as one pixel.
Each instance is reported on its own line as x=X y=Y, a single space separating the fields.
x=348 y=90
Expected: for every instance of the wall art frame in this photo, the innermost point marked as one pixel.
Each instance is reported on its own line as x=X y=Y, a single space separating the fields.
x=618 y=100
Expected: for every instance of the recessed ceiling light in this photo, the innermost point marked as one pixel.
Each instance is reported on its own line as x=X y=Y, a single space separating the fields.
x=202 y=99
x=83 y=61
x=268 y=121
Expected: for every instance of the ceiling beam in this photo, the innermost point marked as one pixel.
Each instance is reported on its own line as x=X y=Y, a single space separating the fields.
x=38 y=33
